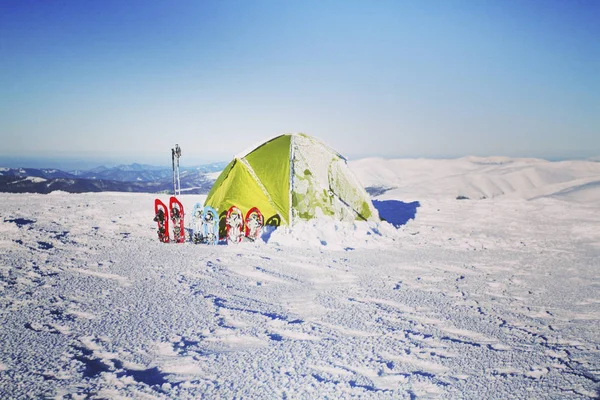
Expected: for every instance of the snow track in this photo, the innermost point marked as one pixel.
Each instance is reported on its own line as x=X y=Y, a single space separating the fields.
x=471 y=299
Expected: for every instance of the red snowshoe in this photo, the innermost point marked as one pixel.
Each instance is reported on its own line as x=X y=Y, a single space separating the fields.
x=177 y=218
x=235 y=225
x=162 y=218
x=254 y=223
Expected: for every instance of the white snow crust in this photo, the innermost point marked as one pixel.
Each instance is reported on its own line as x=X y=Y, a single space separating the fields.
x=489 y=298
x=35 y=179
x=480 y=177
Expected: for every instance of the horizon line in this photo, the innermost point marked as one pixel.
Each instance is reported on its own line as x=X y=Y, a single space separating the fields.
x=69 y=163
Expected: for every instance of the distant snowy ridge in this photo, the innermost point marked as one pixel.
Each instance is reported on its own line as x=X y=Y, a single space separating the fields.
x=30 y=179
x=123 y=173
x=479 y=178
x=408 y=179
x=123 y=178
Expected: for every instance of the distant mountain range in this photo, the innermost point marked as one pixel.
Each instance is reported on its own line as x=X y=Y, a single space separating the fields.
x=123 y=178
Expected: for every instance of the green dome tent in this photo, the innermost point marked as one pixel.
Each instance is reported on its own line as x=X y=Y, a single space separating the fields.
x=289 y=178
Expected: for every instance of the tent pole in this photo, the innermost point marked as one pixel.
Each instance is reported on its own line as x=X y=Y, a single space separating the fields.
x=292 y=155
x=173 y=163
x=178 y=154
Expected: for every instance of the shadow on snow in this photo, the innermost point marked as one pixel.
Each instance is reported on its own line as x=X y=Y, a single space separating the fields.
x=396 y=212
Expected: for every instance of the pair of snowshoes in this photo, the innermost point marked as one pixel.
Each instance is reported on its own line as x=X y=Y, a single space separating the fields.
x=161 y=217
x=205 y=225
x=239 y=228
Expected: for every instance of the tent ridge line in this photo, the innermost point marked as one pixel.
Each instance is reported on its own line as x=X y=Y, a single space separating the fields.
x=230 y=165
x=346 y=204
x=292 y=155
x=328 y=147
x=248 y=152
x=258 y=181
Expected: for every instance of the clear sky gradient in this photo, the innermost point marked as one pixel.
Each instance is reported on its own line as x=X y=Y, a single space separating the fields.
x=126 y=80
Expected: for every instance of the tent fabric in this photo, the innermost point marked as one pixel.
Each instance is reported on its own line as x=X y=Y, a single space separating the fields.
x=239 y=188
x=289 y=178
x=271 y=164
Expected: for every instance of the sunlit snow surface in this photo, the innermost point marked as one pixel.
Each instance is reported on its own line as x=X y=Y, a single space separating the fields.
x=491 y=298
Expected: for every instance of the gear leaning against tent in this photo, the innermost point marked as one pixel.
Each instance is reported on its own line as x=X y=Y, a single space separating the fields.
x=235 y=225
x=254 y=223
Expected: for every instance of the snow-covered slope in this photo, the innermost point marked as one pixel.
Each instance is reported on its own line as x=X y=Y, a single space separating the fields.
x=466 y=299
x=477 y=178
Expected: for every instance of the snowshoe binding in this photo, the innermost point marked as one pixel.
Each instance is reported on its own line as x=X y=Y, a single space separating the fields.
x=198 y=224
x=211 y=225
x=235 y=225
x=162 y=219
x=177 y=219
x=254 y=223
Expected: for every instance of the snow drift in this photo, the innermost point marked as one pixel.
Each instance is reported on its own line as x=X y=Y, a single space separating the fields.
x=479 y=178
x=494 y=298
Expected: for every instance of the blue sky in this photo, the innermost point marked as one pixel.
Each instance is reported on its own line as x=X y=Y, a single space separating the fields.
x=126 y=80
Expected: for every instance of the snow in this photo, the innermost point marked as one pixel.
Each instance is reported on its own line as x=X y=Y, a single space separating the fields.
x=33 y=179
x=213 y=175
x=478 y=178
x=296 y=136
x=490 y=298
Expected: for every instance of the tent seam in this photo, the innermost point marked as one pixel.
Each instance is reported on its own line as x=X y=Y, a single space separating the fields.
x=292 y=155
x=258 y=181
x=226 y=176
x=248 y=152
x=337 y=196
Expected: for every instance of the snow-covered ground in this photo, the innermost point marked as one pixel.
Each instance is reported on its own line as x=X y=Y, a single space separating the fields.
x=482 y=298
x=483 y=178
